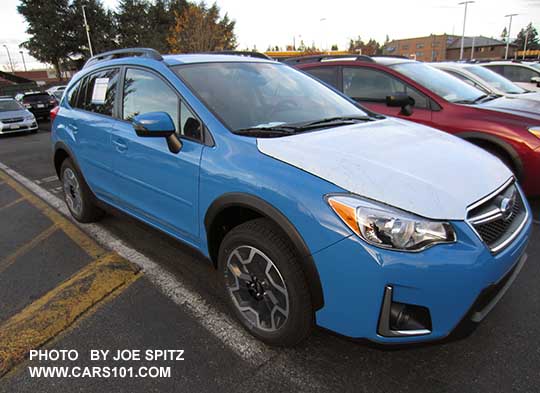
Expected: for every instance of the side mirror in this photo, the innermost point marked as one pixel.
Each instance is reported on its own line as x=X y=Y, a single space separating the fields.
x=536 y=79
x=403 y=101
x=157 y=125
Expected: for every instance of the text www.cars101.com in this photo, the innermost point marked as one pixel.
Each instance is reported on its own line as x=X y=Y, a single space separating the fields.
x=99 y=372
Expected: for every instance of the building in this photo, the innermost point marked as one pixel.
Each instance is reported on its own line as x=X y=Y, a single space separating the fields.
x=448 y=47
x=428 y=48
x=483 y=48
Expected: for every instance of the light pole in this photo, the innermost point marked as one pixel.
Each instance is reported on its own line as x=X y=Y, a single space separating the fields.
x=525 y=43
x=9 y=57
x=24 y=62
x=323 y=30
x=87 y=31
x=508 y=35
x=464 y=20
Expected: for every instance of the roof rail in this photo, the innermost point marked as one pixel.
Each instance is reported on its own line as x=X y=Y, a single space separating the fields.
x=318 y=58
x=245 y=53
x=128 y=52
x=394 y=56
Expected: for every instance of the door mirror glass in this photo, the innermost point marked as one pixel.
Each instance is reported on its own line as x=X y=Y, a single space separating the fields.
x=153 y=124
x=536 y=79
x=402 y=101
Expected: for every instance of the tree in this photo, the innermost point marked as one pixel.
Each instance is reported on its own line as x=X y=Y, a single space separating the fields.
x=101 y=23
x=371 y=48
x=334 y=47
x=504 y=34
x=531 y=34
x=50 y=29
x=132 y=21
x=199 y=28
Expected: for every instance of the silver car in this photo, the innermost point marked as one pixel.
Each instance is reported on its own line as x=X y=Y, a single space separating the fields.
x=15 y=118
x=486 y=80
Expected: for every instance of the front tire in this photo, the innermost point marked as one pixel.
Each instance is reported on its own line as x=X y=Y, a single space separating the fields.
x=264 y=283
x=77 y=195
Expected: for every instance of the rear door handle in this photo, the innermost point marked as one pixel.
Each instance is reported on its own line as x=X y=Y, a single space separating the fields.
x=120 y=144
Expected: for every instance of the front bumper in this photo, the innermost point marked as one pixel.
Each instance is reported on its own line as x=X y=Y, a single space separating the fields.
x=450 y=280
x=23 y=126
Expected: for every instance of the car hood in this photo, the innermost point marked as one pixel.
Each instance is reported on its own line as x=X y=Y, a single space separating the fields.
x=514 y=106
x=400 y=163
x=12 y=114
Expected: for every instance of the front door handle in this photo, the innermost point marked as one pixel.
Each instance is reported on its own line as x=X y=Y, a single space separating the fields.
x=120 y=144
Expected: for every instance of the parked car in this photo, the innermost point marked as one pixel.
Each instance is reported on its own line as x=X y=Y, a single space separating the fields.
x=15 y=118
x=56 y=89
x=312 y=209
x=39 y=103
x=418 y=92
x=521 y=74
x=486 y=80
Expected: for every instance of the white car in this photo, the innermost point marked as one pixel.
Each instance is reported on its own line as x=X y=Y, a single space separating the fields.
x=486 y=80
x=520 y=73
x=55 y=89
x=16 y=118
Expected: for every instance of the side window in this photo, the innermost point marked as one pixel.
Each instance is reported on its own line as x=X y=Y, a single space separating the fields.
x=101 y=92
x=97 y=92
x=190 y=127
x=145 y=92
x=518 y=74
x=73 y=94
x=326 y=74
x=365 y=84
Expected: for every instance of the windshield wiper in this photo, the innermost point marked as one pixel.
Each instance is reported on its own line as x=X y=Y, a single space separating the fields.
x=266 y=131
x=332 y=121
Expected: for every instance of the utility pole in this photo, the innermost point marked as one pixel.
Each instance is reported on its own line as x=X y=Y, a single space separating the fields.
x=508 y=36
x=466 y=3
x=24 y=62
x=525 y=44
x=472 y=48
x=87 y=31
x=9 y=57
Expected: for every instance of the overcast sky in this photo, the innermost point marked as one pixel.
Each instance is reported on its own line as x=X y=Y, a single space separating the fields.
x=276 y=22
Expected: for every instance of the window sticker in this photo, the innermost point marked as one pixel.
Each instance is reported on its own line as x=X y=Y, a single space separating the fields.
x=100 y=91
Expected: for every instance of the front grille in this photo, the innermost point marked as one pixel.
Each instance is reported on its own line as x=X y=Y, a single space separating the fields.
x=12 y=120
x=499 y=218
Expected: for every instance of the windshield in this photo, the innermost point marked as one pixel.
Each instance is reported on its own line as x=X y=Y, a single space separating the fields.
x=9 y=105
x=36 y=98
x=535 y=65
x=495 y=80
x=249 y=95
x=441 y=83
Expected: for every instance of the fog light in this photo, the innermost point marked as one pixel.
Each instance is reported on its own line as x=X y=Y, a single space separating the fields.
x=400 y=319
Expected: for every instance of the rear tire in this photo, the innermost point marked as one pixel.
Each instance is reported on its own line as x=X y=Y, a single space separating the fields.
x=77 y=194
x=264 y=283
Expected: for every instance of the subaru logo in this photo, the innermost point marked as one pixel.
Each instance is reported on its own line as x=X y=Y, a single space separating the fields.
x=507 y=207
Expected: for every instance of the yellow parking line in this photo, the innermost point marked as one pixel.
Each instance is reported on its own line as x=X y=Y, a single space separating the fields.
x=78 y=236
x=12 y=203
x=57 y=310
x=8 y=261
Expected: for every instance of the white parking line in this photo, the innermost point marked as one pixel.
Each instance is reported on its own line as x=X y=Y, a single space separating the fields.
x=46 y=180
x=283 y=363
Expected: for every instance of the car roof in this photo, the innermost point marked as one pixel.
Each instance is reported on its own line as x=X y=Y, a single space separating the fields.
x=389 y=60
x=172 y=60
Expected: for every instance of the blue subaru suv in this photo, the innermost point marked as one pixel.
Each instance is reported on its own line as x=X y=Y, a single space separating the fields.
x=312 y=209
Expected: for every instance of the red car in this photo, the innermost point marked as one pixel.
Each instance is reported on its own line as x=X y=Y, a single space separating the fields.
x=415 y=91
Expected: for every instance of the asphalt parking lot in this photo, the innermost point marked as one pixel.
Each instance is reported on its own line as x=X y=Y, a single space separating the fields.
x=52 y=270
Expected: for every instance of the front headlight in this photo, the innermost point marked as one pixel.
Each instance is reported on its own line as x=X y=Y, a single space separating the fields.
x=29 y=117
x=387 y=227
x=535 y=131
